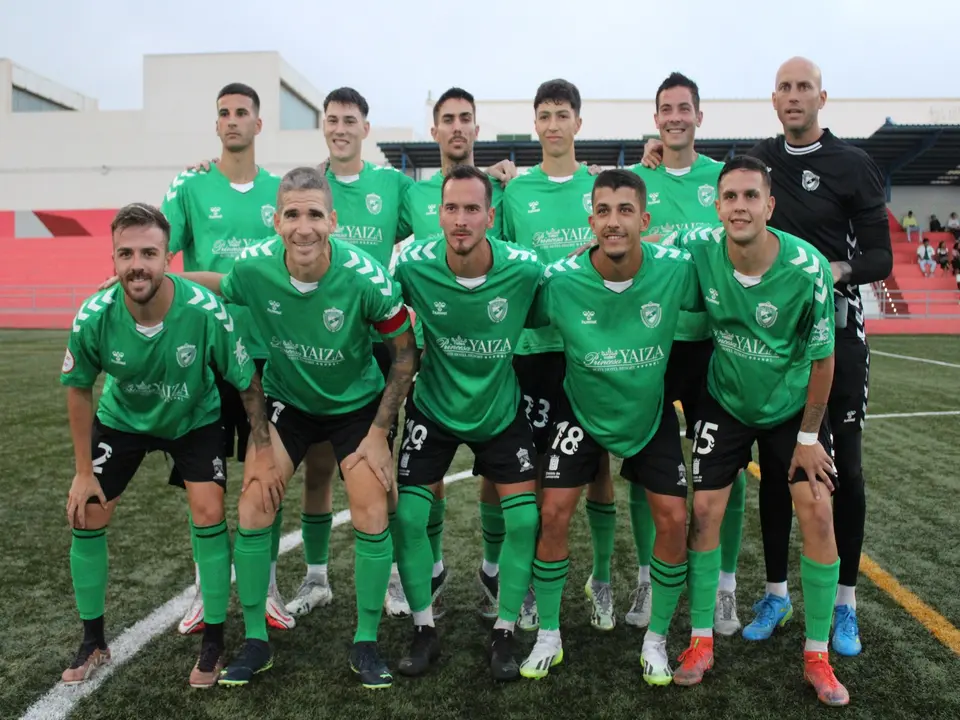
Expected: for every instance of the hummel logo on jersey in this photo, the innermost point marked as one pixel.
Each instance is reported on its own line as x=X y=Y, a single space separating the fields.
x=707 y=195
x=713 y=296
x=588 y=318
x=266 y=214
x=118 y=358
x=810 y=181
x=497 y=309
x=374 y=204
x=766 y=314
x=534 y=207
x=240 y=353
x=186 y=354
x=333 y=319
x=431 y=209
x=273 y=306
x=218 y=469
x=650 y=314
x=439 y=308
x=215 y=214
x=653 y=198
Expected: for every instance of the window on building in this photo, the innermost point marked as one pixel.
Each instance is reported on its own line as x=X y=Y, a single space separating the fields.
x=295 y=112
x=26 y=101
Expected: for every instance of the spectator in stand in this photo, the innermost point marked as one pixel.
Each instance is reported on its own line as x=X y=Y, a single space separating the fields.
x=911 y=225
x=935 y=224
x=955 y=261
x=943 y=256
x=925 y=257
x=953 y=225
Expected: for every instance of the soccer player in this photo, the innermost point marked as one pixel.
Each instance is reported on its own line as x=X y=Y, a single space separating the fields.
x=214 y=215
x=616 y=311
x=472 y=295
x=158 y=341
x=768 y=299
x=681 y=199
x=547 y=210
x=317 y=299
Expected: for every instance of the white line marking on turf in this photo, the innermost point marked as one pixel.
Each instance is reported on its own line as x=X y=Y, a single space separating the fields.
x=931 y=413
x=915 y=359
x=60 y=700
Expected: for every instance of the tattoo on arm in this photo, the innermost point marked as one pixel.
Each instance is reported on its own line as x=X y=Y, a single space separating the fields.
x=818 y=394
x=256 y=408
x=812 y=417
x=403 y=356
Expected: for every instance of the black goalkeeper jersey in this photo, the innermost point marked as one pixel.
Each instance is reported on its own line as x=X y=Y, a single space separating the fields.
x=832 y=195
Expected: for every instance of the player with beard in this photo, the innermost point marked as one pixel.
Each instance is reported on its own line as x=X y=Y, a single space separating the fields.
x=158 y=341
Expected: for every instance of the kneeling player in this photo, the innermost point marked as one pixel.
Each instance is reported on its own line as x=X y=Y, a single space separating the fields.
x=616 y=310
x=769 y=302
x=472 y=295
x=158 y=347
x=316 y=299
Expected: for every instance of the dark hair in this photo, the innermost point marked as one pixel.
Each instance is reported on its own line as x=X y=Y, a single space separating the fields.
x=454 y=93
x=619 y=178
x=676 y=79
x=141 y=215
x=558 y=91
x=241 y=89
x=466 y=172
x=745 y=162
x=347 y=96
x=304 y=178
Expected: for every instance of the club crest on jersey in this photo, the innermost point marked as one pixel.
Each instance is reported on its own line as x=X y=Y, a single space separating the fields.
x=374 y=204
x=707 y=195
x=810 y=181
x=588 y=202
x=266 y=214
x=68 y=362
x=497 y=309
x=766 y=314
x=186 y=354
x=650 y=314
x=333 y=319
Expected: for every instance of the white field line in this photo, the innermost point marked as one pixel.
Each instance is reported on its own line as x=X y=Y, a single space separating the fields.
x=60 y=700
x=915 y=359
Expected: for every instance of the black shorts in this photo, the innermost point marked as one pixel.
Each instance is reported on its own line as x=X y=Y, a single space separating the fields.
x=299 y=430
x=428 y=449
x=541 y=385
x=197 y=456
x=686 y=378
x=847 y=407
x=573 y=458
x=724 y=446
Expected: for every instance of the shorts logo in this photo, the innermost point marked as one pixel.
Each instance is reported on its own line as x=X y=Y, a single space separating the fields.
x=766 y=314
x=68 y=362
x=333 y=319
x=374 y=204
x=851 y=416
x=405 y=460
x=218 y=469
x=810 y=181
x=186 y=354
x=588 y=202
x=650 y=314
x=554 y=462
x=682 y=474
x=707 y=195
x=266 y=214
x=524 y=457
x=497 y=309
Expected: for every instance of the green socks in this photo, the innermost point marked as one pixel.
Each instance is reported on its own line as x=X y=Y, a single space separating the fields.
x=731 y=530
x=491 y=523
x=373 y=558
x=435 y=528
x=603 y=526
x=819 y=583
x=703 y=577
x=667 y=583
x=415 y=558
x=522 y=520
x=88 y=567
x=213 y=557
x=315 y=530
x=394 y=531
x=548 y=581
x=277 y=530
x=193 y=537
x=641 y=522
x=251 y=557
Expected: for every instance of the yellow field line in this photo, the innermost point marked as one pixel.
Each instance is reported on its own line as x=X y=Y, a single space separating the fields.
x=937 y=624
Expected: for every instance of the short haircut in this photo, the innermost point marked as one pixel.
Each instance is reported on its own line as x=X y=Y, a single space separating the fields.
x=304 y=178
x=558 y=91
x=466 y=172
x=241 y=89
x=619 y=178
x=136 y=215
x=745 y=162
x=347 y=96
x=454 y=93
x=675 y=80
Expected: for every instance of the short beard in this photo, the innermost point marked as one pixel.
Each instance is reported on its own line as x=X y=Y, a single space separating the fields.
x=456 y=159
x=151 y=293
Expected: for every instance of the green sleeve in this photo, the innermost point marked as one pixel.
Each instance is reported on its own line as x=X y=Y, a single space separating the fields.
x=231 y=286
x=383 y=306
x=227 y=349
x=175 y=208
x=81 y=363
x=497 y=230
x=539 y=315
x=507 y=230
x=691 y=298
x=821 y=334
x=405 y=221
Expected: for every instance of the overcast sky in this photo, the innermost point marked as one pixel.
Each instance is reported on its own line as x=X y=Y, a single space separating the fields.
x=394 y=52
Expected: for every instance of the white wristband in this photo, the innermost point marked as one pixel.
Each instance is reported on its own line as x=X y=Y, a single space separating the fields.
x=805 y=438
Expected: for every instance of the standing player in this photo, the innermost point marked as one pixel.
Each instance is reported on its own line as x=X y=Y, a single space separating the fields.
x=158 y=340
x=616 y=310
x=317 y=298
x=547 y=210
x=214 y=215
x=472 y=295
x=681 y=199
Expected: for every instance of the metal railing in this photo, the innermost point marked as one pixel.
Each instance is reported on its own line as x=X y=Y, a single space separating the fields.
x=916 y=303
x=43 y=298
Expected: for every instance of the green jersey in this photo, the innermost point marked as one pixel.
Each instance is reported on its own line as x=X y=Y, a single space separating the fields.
x=321 y=360
x=213 y=220
x=548 y=215
x=766 y=331
x=617 y=338
x=470 y=326
x=159 y=380
x=421 y=208
x=369 y=207
x=681 y=205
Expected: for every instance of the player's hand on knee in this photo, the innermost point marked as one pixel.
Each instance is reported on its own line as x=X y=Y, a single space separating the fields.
x=375 y=451
x=82 y=489
x=652 y=153
x=816 y=463
x=109 y=282
x=263 y=471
